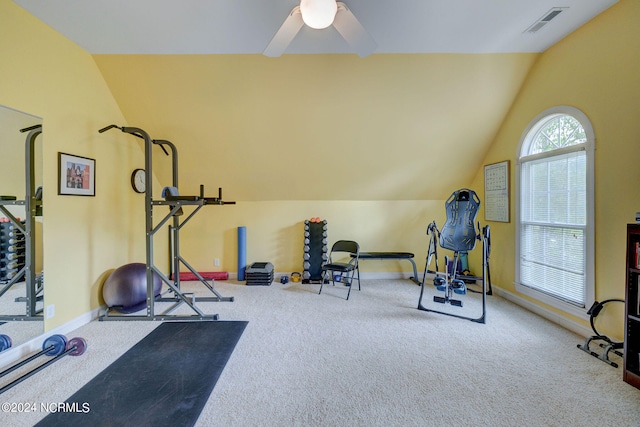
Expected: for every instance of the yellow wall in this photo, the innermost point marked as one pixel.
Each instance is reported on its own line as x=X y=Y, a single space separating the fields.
x=44 y=74
x=275 y=231
x=320 y=127
x=373 y=145
x=12 y=160
x=597 y=70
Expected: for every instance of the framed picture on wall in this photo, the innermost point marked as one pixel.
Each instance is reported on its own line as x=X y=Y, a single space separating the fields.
x=496 y=192
x=76 y=175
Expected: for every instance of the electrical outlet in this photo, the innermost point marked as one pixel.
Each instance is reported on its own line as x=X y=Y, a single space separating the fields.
x=216 y=262
x=51 y=311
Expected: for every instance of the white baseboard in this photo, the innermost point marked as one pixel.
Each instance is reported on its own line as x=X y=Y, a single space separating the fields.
x=552 y=316
x=35 y=344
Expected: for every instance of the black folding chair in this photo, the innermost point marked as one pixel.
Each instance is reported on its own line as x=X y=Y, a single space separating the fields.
x=342 y=265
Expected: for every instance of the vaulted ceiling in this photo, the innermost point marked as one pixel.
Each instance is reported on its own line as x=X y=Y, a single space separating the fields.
x=411 y=121
x=247 y=26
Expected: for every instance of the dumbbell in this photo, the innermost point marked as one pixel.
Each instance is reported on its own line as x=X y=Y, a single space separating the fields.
x=55 y=345
x=5 y=342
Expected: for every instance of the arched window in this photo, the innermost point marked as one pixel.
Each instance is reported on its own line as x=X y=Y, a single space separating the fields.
x=554 y=229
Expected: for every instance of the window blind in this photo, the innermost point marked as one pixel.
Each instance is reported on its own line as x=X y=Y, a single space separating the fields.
x=553 y=225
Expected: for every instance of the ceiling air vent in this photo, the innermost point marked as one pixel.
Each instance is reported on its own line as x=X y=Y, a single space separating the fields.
x=546 y=18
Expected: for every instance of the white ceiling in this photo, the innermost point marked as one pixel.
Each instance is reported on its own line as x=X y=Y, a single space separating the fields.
x=247 y=26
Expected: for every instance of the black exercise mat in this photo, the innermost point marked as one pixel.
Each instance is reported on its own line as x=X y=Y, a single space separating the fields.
x=164 y=380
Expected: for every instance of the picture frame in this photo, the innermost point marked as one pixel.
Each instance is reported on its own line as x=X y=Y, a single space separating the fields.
x=76 y=175
x=496 y=192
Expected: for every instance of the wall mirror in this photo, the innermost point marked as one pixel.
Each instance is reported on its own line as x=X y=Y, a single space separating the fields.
x=21 y=228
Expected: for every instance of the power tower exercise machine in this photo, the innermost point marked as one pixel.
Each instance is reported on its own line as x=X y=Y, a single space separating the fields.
x=175 y=202
x=458 y=235
x=34 y=283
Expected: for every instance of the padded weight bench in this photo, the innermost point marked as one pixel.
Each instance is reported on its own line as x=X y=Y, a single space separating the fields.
x=393 y=255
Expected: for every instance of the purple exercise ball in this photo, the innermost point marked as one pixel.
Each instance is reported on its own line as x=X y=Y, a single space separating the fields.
x=125 y=290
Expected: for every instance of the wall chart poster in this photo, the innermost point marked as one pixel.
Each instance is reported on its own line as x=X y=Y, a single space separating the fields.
x=496 y=192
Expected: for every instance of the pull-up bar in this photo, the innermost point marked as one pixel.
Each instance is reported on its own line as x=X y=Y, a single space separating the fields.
x=175 y=202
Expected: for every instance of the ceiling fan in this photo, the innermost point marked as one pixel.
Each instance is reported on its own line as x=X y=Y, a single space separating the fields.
x=319 y=14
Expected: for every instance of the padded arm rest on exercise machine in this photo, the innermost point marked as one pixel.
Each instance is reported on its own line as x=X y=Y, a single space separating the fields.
x=216 y=201
x=171 y=194
x=170 y=198
x=207 y=200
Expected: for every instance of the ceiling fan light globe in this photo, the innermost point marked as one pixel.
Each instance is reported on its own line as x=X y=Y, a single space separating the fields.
x=318 y=14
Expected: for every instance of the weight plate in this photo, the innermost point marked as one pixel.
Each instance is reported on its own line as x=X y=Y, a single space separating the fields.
x=58 y=344
x=5 y=342
x=80 y=345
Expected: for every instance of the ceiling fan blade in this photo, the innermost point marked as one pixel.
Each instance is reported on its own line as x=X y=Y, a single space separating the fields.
x=353 y=32
x=285 y=34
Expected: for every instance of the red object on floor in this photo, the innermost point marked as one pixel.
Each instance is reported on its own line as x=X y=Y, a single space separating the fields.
x=215 y=275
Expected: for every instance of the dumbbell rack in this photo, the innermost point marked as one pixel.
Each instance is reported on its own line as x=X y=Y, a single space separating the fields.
x=315 y=251
x=12 y=251
x=24 y=232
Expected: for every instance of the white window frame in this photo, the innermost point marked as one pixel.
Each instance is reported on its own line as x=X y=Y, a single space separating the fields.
x=589 y=147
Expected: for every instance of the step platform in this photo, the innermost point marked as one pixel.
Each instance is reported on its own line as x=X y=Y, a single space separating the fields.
x=260 y=274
